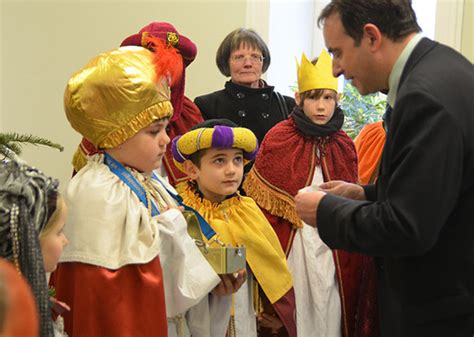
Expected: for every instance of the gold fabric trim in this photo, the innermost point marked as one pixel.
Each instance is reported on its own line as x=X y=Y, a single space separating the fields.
x=239 y=221
x=277 y=203
x=146 y=117
x=79 y=159
x=341 y=292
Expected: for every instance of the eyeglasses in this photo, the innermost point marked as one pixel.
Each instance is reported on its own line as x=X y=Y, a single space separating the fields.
x=254 y=58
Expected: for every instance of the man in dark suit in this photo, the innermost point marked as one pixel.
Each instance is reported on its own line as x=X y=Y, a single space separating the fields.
x=418 y=218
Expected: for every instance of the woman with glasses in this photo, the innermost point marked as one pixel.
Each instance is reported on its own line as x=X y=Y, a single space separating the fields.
x=246 y=98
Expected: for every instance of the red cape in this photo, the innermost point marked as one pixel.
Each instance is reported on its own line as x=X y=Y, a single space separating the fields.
x=190 y=116
x=286 y=163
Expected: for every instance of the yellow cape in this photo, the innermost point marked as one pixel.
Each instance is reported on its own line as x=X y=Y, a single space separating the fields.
x=239 y=221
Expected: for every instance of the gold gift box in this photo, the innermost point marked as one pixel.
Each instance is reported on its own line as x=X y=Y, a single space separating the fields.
x=224 y=259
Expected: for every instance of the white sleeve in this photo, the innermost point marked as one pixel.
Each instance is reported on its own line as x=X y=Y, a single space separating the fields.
x=188 y=277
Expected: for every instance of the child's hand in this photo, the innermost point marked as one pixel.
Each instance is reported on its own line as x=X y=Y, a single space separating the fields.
x=269 y=321
x=179 y=208
x=230 y=283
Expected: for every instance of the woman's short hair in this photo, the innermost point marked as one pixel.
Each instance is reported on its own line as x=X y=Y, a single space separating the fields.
x=233 y=41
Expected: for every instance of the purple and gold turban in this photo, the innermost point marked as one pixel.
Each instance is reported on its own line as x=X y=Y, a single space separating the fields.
x=219 y=136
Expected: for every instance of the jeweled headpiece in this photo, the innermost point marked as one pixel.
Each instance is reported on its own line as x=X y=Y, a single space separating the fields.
x=120 y=92
x=24 y=211
x=316 y=76
x=219 y=136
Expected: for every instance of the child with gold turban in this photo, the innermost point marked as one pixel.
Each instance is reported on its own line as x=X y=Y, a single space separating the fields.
x=213 y=155
x=130 y=262
x=304 y=151
x=185 y=112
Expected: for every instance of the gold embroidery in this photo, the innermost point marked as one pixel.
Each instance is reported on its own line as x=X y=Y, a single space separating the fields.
x=172 y=38
x=144 y=42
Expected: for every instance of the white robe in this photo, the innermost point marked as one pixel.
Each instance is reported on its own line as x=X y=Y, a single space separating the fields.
x=120 y=232
x=311 y=262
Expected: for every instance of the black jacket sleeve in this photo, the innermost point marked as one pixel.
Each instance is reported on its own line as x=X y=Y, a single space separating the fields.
x=204 y=104
x=417 y=189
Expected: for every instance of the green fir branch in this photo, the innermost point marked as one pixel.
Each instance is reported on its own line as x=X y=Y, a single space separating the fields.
x=11 y=143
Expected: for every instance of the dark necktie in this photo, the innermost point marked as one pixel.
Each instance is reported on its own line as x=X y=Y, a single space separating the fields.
x=386 y=117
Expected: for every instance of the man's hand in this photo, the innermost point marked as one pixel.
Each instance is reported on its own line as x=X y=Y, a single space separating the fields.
x=230 y=283
x=343 y=189
x=269 y=321
x=306 y=204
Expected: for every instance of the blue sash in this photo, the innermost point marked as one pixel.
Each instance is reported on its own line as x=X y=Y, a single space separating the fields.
x=120 y=171
x=206 y=229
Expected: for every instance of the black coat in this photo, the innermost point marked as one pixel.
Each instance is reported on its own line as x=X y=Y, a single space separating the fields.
x=255 y=109
x=422 y=223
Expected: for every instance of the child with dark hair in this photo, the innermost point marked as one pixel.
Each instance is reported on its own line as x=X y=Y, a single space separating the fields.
x=213 y=156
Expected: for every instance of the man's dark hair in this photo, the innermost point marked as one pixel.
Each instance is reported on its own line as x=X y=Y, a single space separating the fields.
x=394 y=18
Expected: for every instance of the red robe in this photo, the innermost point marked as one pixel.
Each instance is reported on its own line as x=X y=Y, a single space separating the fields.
x=286 y=163
x=190 y=116
x=117 y=308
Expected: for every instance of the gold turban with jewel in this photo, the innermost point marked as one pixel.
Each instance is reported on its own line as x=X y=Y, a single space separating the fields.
x=117 y=94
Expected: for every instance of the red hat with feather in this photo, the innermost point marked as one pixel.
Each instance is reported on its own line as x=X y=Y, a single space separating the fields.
x=186 y=48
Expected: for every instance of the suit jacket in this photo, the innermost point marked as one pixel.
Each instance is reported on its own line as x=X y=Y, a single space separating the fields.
x=422 y=223
x=254 y=108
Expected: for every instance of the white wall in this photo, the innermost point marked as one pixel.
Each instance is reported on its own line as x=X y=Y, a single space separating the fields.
x=467 y=41
x=290 y=34
x=43 y=42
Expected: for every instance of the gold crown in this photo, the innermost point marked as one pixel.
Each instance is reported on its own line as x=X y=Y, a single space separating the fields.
x=316 y=76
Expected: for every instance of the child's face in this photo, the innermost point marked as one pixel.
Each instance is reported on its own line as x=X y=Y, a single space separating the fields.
x=320 y=110
x=53 y=243
x=146 y=149
x=220 y=173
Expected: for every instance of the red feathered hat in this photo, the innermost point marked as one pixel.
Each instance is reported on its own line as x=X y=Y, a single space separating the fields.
x=166 y=32
x=187 y=49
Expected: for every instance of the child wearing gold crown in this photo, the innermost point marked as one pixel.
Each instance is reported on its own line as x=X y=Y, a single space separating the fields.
x=334 y=290
x=213 y=154
x=130 y=263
